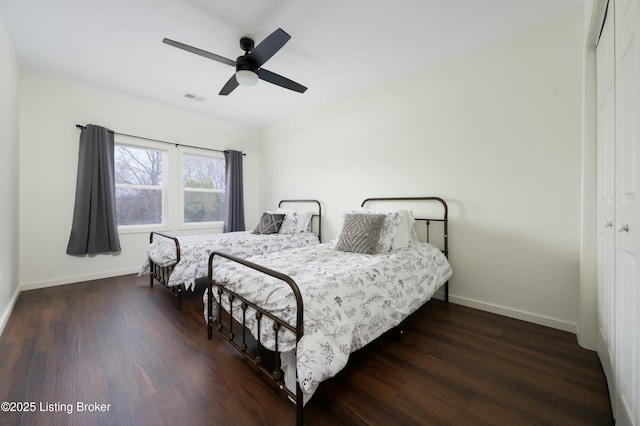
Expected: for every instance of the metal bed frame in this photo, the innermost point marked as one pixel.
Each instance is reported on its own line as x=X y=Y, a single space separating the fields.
x=161 y=274
x=248 y=345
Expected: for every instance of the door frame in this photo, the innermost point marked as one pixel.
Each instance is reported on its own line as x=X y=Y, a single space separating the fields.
x=588 y=318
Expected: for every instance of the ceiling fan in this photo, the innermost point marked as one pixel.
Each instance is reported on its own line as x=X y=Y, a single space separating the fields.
x=249 y=66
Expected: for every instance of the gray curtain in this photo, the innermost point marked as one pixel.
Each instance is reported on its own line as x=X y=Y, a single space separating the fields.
x=94 y=228
x=233 y=196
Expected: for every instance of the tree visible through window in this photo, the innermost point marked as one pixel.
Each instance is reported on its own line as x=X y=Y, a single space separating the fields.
x=139 y=185
x=143 y=186
x=203 y=188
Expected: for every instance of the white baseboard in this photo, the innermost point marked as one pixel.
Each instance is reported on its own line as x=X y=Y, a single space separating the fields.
x=8 y=309
x=483 y=306
x=513 y=313
x=77 y=278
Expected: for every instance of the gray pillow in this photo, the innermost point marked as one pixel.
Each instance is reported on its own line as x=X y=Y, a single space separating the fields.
x=360 y=233
x=269 y=223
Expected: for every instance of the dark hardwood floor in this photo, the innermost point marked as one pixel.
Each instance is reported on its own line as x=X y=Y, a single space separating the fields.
x=119 y=343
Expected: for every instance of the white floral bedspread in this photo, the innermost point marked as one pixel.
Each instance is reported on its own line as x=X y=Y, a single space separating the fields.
x=349 y=299
x=196 y=249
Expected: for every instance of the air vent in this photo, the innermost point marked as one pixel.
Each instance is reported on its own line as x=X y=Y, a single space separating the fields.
x=194 y=97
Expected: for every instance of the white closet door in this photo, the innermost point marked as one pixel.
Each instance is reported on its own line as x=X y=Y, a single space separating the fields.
x=627 y=222
x=605 y=57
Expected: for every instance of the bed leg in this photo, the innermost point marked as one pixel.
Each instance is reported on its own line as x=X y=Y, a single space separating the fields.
x=209 y=323
x=396 y=332
x=299 y=406
x=179 y=297
x=446 y=292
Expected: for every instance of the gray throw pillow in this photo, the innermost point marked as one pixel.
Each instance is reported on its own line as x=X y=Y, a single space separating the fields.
x=269 y=223
x=360 y=233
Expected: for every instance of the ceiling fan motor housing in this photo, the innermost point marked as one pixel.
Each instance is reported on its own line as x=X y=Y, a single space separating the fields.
x=245 y=63
x=246 y=44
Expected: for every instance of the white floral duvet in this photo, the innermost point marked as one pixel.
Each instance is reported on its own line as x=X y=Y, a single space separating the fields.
x=349 y=298
x=196 y=249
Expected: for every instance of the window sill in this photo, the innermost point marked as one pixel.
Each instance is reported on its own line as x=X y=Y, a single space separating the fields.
x=208 y=226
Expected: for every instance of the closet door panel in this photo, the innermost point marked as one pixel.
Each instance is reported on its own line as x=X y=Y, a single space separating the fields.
x=627 y=212
x=605 y=168
x=627 y=362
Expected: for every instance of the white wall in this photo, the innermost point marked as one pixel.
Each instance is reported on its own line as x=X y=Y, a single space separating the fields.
x=9 y=138
x=496 y=131
x=49 y=110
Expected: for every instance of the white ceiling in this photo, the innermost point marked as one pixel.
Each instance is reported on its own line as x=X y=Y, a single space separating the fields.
x=337 y=46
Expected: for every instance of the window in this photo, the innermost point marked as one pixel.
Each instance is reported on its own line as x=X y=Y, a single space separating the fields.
x=140 y=179
x=166 y=188
x=203 y=185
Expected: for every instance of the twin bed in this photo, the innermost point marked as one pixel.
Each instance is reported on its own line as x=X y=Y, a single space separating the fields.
x=297 y=308
x=177 y=262
x=298 y=314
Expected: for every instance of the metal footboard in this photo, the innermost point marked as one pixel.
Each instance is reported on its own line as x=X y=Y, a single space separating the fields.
x=243 y=341
x=163 y=273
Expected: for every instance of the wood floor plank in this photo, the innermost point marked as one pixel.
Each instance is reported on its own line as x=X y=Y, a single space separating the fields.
x=121 y=343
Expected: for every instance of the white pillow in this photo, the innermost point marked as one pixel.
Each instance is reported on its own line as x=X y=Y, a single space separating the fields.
x=295 y=221
x=304 y=222
x=413 y=234
x=405 y=231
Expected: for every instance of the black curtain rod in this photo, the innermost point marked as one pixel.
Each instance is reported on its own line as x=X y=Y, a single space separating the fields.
x=80 y=126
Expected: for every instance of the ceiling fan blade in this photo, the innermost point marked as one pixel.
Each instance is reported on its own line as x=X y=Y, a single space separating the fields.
x=281 y=81
x=269 y=46
x=231 y=84
x=200 y=52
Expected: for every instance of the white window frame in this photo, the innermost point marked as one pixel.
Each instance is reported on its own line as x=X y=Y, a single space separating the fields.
x=213 y=225
x=165 y=187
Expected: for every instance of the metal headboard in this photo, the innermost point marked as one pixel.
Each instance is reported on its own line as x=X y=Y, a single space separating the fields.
x=317 y=215
x=443 y=218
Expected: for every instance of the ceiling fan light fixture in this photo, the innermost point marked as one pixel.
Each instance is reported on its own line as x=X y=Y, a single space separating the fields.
x=246 y=78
